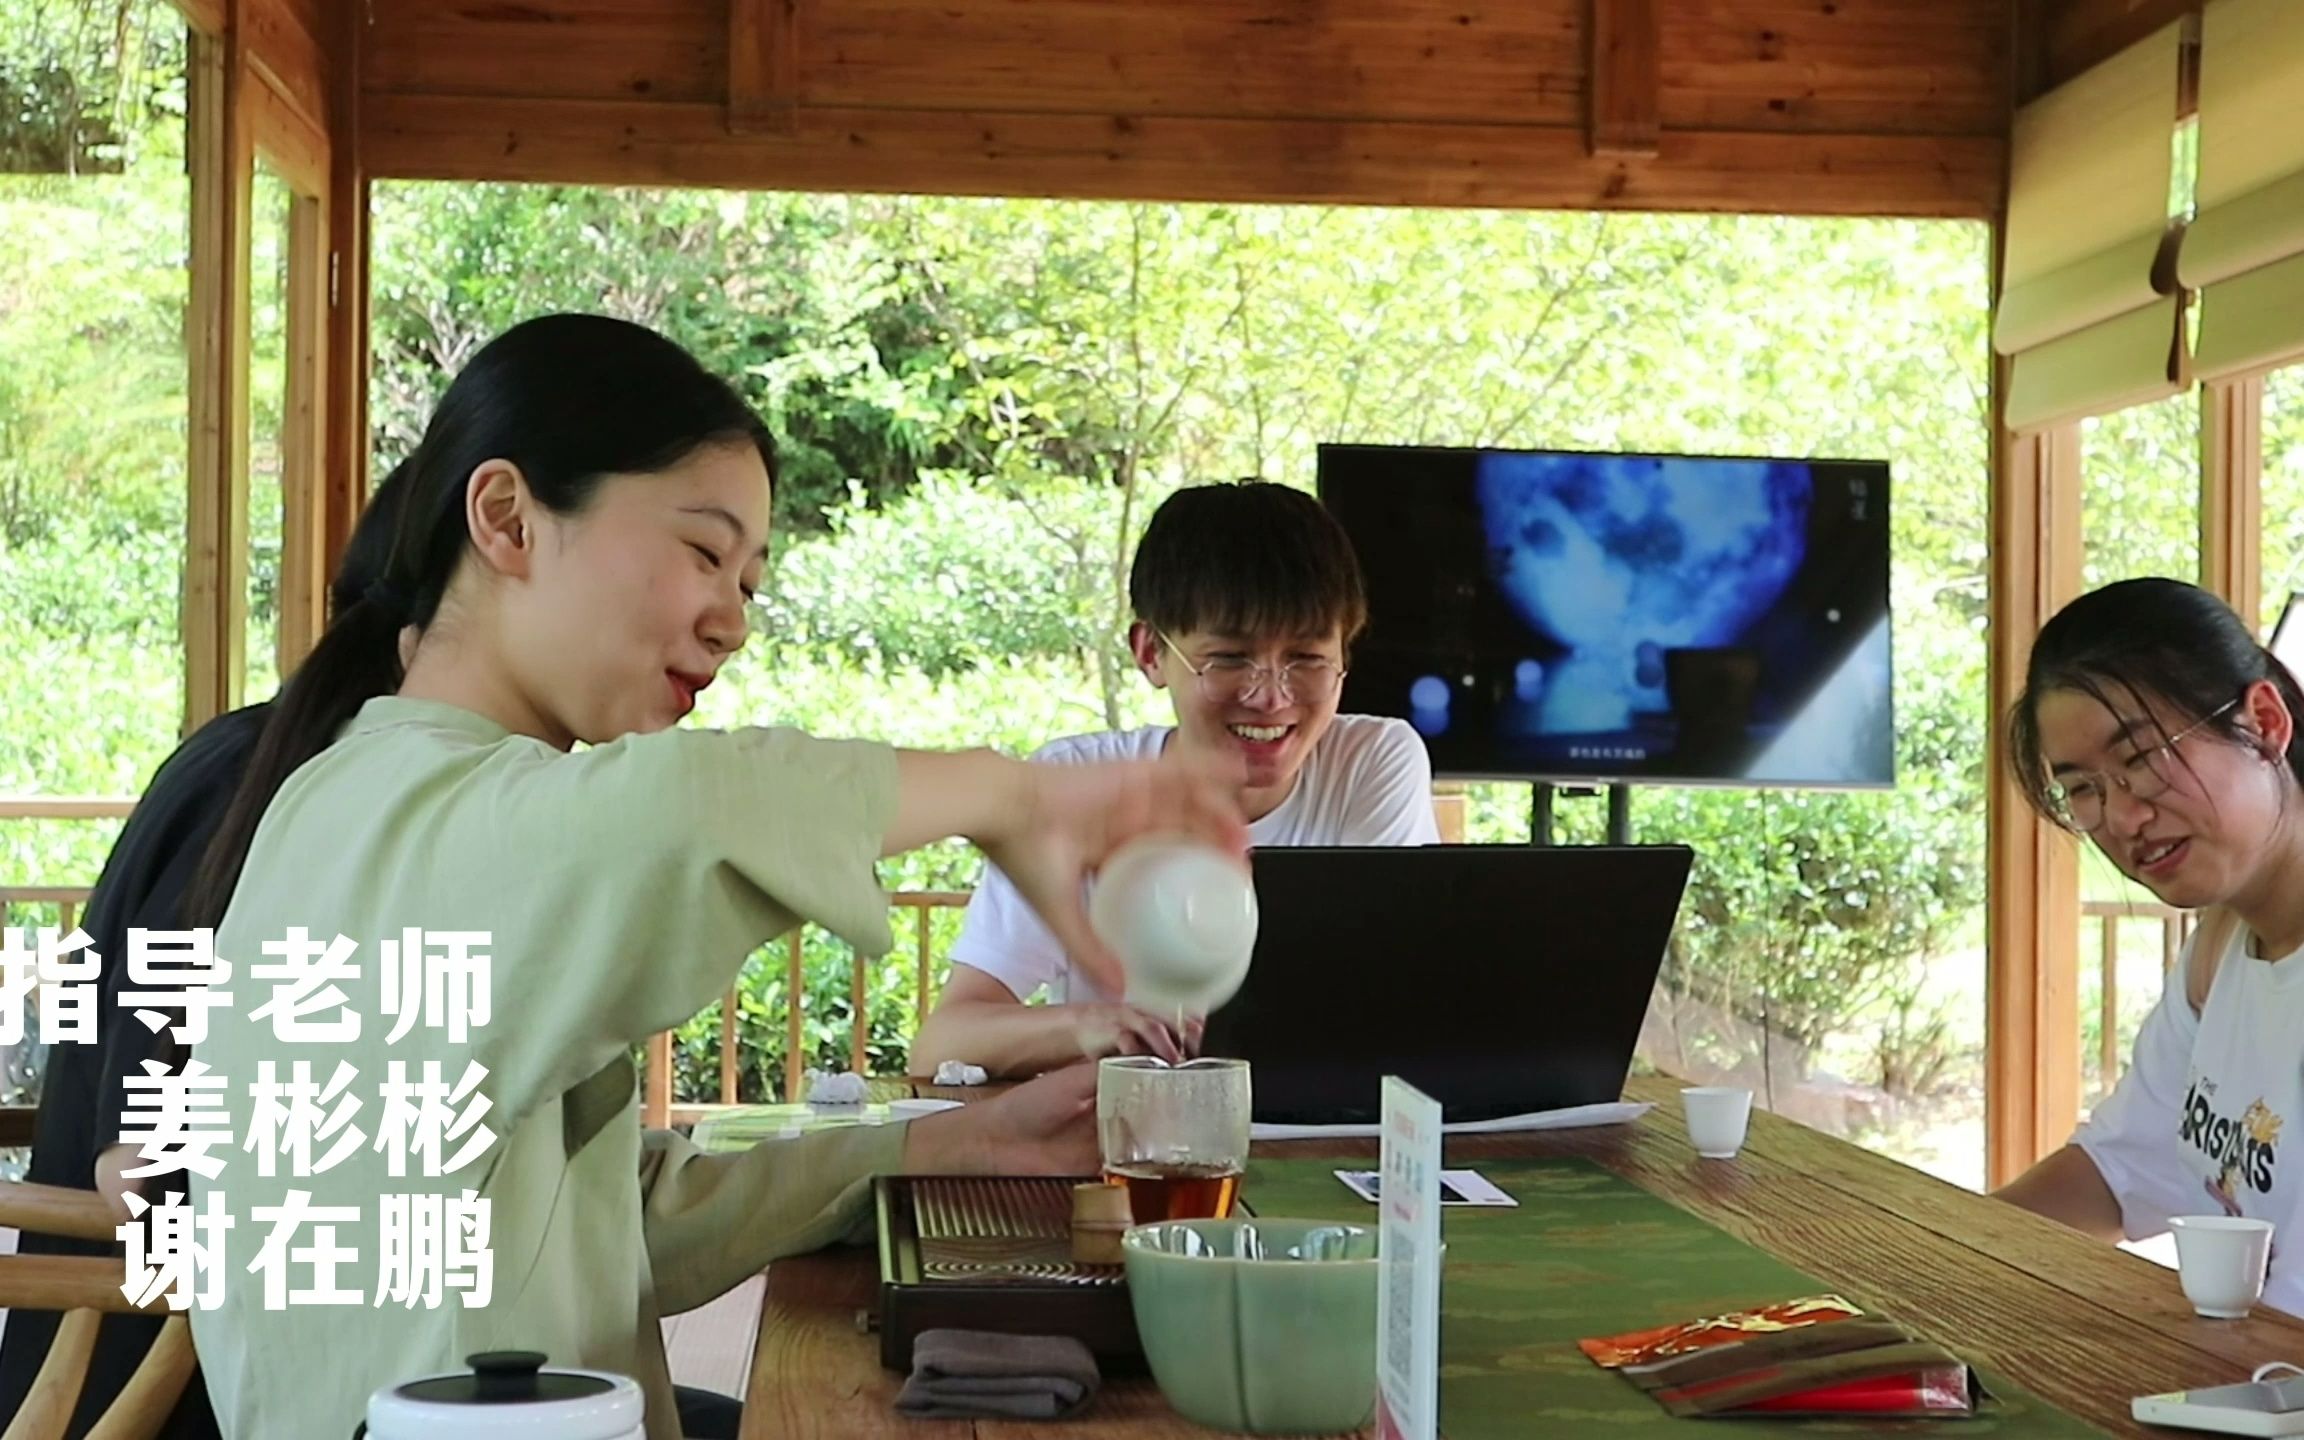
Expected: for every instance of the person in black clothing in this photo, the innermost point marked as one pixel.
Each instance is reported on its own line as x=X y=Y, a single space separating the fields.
x=81 y=1097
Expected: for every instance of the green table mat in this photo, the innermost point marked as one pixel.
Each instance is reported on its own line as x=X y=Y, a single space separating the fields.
x=1589 y=1253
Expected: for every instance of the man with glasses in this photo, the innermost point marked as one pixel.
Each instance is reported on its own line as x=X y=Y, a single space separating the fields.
x=1247 y=600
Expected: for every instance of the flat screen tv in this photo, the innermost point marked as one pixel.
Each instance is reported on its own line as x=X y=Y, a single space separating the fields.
x=1669 y=619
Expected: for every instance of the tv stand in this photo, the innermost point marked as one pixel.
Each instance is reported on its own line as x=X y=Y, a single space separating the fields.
x=1543 y=794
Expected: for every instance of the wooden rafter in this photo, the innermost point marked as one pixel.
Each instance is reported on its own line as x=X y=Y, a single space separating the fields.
x=763 y=66
x=1092 y=157
x=1624 y=108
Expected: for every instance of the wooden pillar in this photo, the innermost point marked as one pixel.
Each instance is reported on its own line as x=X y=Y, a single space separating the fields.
x=2032 y=901
x=291 y=139
x=304 y=562
x=2232 y=495
x=287 y=129
x=344 y=473
x=221 y=159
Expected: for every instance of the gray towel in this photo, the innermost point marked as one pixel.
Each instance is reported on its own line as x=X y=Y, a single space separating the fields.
x=958 y=1374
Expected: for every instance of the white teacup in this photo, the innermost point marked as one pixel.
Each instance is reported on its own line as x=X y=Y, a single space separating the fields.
x=2221 y=1260
x=1717 y=1117
x=1181 y=916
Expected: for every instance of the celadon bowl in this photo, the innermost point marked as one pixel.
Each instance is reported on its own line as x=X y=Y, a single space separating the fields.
x=1263 y=1325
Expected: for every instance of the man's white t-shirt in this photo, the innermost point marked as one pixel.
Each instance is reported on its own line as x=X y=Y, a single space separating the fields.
x=1367 y=782
x=2196 y=1125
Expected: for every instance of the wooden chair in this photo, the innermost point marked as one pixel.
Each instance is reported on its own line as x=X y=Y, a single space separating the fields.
x=86 y=1288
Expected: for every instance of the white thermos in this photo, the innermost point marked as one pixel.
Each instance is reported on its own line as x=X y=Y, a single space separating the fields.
x=508 y=1395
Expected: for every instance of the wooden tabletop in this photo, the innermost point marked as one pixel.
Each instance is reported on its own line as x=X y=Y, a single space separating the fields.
x=2083 y=1325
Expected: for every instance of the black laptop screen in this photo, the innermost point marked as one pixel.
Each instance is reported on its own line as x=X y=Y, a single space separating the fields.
x=1497 y=979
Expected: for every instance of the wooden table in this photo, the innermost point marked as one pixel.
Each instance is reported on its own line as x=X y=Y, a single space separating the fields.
x=2080 y=1324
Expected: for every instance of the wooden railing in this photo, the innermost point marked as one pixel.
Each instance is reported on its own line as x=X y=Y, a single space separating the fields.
x=69 y=901
x=65 y=807
x=658 y=1108
x=2109 y=916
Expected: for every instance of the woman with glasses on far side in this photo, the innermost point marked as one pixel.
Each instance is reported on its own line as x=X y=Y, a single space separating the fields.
x=2153 y=724
x=1247 y=600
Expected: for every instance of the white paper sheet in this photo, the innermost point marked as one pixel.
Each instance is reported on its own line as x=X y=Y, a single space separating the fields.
x=1575 y=1117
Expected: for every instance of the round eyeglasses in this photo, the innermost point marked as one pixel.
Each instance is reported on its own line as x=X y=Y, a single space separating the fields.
x=1234 y=679
x=2078 y=797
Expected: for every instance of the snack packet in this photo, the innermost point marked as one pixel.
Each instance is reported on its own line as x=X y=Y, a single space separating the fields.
x=1645 y=1347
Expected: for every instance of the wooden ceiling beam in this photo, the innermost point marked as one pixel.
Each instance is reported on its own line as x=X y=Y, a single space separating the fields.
x=289 y=55
x=763 y=67
x=1107 y=157
x=1625 y=97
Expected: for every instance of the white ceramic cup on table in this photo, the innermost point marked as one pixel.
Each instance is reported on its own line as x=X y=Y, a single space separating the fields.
x=1717 y=1118
x=2221 y=1261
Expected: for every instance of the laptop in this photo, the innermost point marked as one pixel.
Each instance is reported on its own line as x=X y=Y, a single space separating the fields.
x=1498 y=979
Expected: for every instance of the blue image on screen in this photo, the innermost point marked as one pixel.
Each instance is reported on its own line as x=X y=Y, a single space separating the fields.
x=1676 y=618
x=1619 y=560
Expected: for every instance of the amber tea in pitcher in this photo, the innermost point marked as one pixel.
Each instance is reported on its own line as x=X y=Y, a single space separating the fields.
x=1176 y=1192
x=1175 y=1135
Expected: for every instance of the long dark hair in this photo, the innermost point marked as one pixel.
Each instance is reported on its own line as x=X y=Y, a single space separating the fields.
x=570 y=400
x=2148 y=639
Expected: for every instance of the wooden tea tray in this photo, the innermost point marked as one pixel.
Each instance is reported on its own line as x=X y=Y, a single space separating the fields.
x=993 y=1253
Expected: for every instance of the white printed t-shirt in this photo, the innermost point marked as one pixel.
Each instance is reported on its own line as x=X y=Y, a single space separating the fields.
x=1367 y=782
x=2199 y=1124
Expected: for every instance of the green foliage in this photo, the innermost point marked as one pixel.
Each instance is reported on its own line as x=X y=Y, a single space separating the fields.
x=92 y=444
x=1804 y=902
x=92 y=409
x=789 y=297
x=891 y=987
x=957 y=576
x=84 y=82
x=2140 y=493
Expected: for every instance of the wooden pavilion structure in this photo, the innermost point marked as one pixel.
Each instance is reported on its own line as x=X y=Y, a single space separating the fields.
x=2001 y=111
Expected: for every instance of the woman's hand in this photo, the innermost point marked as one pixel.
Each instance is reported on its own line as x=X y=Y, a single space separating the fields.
x=1042 y=1127
x=1067 y=819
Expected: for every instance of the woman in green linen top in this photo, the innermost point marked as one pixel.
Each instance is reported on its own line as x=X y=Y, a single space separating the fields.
x=587 y=517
